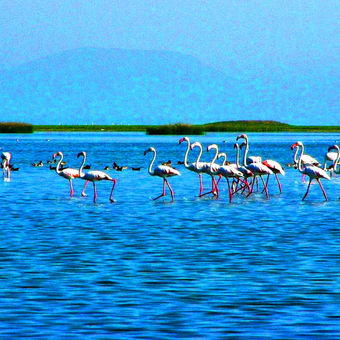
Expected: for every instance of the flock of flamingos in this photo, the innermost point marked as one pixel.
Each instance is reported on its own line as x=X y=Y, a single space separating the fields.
x=239 y=177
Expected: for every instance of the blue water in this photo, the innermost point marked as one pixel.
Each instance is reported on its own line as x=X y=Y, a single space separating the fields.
x=143 y=269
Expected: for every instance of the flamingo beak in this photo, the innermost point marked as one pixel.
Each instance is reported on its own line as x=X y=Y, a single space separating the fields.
x=293 y=146
x=79 y=154
x=331 y=148
x=181 y=141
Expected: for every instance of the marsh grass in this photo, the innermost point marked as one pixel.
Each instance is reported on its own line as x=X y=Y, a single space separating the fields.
x=12 y=127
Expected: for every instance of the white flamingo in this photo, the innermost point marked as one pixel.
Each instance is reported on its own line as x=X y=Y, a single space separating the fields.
x=67 y=173
x=312 y=171
x=226 y=171
x=257 y=168
x=163 y=171
x=333 y=157
x=277 y=169
x=205 y=169
x=250 y=159
x=94 y=176
x=5 y=163
x=195 y=167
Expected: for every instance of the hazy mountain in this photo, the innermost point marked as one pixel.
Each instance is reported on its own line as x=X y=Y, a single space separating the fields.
x=104 y=86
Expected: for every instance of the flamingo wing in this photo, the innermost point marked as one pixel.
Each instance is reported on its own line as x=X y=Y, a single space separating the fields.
x=274 y=166
x=166 y=171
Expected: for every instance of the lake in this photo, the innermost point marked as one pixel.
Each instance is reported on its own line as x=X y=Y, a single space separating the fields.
x=143 y=269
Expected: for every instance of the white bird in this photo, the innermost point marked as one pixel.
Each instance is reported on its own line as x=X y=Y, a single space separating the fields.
x=250 y=159
x=276 y=168
x=257 y=168
x=67 y=173
x=312 y=171
x=333 y=157
x=94 y=176
x=196 y=166
x=5 y=164
x=226 y=171
x=163 y=171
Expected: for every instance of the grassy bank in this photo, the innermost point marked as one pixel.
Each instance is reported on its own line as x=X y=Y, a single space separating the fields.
x=11 y=127
x=181 y=129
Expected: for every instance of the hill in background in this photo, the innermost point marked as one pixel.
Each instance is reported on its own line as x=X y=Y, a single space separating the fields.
x=113 y=86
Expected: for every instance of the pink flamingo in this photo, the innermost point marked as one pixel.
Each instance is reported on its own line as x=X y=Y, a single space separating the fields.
x=68 y=173
x=333 y=157
x=6 y=168
x=94 y=176
x=226 y=171
x=205 y=169
x=250 y=159
x=310 y=170
x=195 y=167
x=163 y=171
x=257 y=168
x=276 y=168
x=305 y=159
x=246 y=172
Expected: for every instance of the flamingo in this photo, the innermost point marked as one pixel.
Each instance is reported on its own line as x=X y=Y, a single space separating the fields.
x=333 y=157
x=6 y=168
x=163 y=171
x=250 y=159
x=310 y=170
x=306 y=160
x=257 y=168
x=68 y=173
x=246 y=172
x=195 y=167
x=276 y=168
x=94 y=176
x=204 y=167
x=226 y=171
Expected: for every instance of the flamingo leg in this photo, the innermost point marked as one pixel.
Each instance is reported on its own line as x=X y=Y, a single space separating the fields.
x=94 y=192
x=163 y=193
x=171 y=191
x=113 y=186
x=278 y=182
x=303 y=178
x=310 y=181
x=266 y=183
x=83 y=192
x=201 y=184
x=322 y=188
x=252 y=187
x=213 y=188
x=265 y=186
x=71 y=188
x=229 y=191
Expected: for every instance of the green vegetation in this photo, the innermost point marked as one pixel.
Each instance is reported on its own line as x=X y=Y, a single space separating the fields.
x=186 y=129
x=11 y=127
x=90 y=128
x=175 y=129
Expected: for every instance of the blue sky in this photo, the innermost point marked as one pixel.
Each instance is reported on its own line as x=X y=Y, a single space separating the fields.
x=239 y=37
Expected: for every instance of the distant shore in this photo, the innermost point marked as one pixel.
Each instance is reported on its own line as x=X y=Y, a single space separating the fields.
x=171 y=129
x=230 y=126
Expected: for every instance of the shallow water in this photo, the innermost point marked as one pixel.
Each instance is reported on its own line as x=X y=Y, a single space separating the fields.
x=138 y=268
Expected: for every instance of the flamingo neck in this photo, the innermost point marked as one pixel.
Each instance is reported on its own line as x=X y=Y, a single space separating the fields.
x=200 y=153
x=295 y=155
x=212 y=163
x=186 y=164
x=224 y=155
x=245 y=153
x=57 y=168
x=81 y=174
x=335 y=164
x=300 y=167
x=237 y=155
x=152 y=161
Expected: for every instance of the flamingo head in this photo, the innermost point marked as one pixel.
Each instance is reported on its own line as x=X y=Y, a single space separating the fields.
x=297 y=144
x=236 y=145
x=82 y=153
x=212 y=146
x=194 y=145
x=148 y=150
x=243 y=135
x=183 y=139
x=333 y=147
x=242 y=145
x=59 y=153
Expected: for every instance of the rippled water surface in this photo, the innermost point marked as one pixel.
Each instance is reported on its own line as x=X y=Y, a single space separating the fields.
x=138 y=268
